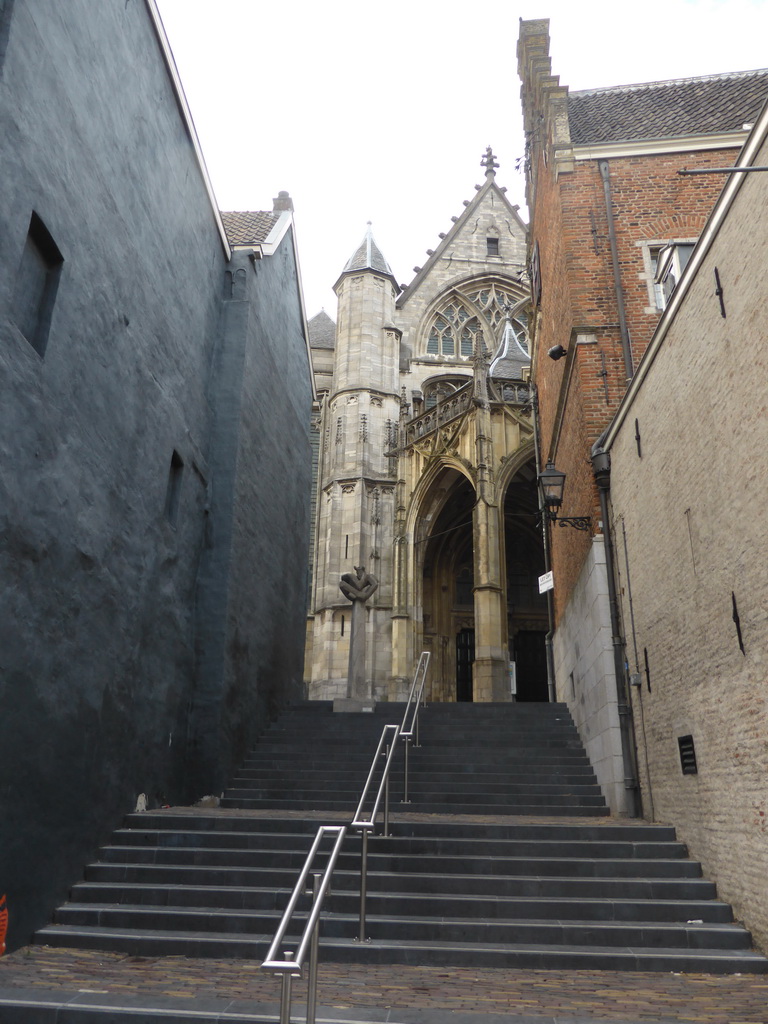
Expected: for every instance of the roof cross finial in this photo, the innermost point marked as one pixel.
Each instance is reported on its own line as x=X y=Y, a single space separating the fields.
x=490 y=163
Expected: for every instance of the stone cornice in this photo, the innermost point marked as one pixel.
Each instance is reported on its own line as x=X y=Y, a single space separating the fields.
x=653 y=147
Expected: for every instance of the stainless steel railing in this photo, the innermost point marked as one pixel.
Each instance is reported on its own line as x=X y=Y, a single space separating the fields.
x=390 y=735
x=409 y=727
x=292 y=963
x=365 y=824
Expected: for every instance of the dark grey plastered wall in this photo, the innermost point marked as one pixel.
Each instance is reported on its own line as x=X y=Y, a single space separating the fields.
x=252 y=580
x=100 y=595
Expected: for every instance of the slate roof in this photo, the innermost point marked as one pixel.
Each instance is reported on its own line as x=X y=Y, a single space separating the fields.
x=368 y=256
x=657 y=110
x=248 y=227
x=513 y=356
x=322 y=331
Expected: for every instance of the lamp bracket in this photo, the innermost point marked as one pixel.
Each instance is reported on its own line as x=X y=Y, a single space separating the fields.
x=583 y=523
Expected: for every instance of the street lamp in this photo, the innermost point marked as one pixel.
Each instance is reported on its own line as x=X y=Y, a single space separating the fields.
x=551 y=485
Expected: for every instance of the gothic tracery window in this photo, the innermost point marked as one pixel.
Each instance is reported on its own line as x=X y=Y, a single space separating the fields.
x=455 y=325
x=435 y=391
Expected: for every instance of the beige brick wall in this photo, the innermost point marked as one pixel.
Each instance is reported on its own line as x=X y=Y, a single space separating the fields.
x=692 y=508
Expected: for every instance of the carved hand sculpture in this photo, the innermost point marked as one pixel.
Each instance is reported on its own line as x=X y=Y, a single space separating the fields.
x=358 y=586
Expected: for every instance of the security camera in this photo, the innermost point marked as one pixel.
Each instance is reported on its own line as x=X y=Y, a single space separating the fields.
x=557 y=352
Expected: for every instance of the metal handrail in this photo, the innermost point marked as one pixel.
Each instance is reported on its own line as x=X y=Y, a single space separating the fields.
x=388 y=733
x=292 y=964
x=412 y=709
x=366 y=825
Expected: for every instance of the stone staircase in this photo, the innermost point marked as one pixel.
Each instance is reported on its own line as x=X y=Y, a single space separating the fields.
x=558 y=886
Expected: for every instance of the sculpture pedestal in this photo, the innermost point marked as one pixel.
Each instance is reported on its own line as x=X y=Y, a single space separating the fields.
x=350 y=704
x=357 y=689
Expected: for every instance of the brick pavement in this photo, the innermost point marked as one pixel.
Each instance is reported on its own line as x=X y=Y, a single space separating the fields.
x=453 y=992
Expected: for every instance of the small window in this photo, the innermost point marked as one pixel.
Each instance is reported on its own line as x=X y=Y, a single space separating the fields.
x=492 y=246
x=465 y=587
x=37 y=282
x=467 y=342
x=669 y=263
x=173 y=491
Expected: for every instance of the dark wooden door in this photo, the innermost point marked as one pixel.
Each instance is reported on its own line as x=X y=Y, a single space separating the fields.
x=465 y=655
x=531 y=663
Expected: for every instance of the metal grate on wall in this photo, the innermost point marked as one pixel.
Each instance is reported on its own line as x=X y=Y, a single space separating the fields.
x=687 y=755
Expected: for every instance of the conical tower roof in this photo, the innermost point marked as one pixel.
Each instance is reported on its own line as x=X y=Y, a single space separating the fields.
x=368 y=256
x=512 y=356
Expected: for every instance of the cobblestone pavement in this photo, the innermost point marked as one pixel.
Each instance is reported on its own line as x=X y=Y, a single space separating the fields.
x=457 y=993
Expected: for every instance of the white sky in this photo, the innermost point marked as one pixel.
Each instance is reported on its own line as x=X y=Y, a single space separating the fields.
x=382 y=111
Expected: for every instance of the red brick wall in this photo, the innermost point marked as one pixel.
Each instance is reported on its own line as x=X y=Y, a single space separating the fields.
x=650 y=201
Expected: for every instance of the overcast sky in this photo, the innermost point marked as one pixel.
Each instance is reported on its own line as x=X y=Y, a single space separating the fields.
x=382 y=111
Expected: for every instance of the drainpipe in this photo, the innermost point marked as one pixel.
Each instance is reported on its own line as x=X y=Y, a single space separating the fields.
x=551 y=689
x=605 y=174
x=601 y=467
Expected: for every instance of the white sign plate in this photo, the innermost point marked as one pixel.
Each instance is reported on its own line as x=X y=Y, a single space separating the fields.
x=546 y=582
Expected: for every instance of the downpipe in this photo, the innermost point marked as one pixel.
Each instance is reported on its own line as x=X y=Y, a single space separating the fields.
x=601 y=467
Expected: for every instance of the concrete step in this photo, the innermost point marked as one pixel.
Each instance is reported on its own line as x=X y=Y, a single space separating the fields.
x=444 y=827
x=40 y=1006
x=572 y=890
x=426 y=845
x=397 y=861
x=418 y=926
x=456 y=883
x=491 y=906
x=567 y=807
x=160 y=942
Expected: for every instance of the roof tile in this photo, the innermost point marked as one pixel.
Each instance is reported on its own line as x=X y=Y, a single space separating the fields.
x=656 y=110
x=248 y=227
x=322 y=331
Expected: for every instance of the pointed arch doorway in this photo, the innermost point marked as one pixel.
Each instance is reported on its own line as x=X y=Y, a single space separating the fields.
x=448 y=587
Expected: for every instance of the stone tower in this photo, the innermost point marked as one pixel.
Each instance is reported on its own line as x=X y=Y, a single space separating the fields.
x=356 y=485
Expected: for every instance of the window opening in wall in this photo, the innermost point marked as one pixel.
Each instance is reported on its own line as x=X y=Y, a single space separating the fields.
x=173 y=491
x=346 y=546
x=669 y=262
x=6 y=10
x=37 y=282
x=454 y=326
x=438 y=391
x=453 y=322
x=492 y=245
x=687 y=755
x=342 y=625
x=465 y=587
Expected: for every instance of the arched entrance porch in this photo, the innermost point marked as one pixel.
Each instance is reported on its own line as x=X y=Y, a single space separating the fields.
x=447 y=575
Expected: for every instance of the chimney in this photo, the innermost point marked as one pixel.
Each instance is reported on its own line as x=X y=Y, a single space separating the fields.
x=283 y=202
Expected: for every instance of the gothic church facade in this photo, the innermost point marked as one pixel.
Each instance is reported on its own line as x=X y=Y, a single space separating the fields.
x=426 y=470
